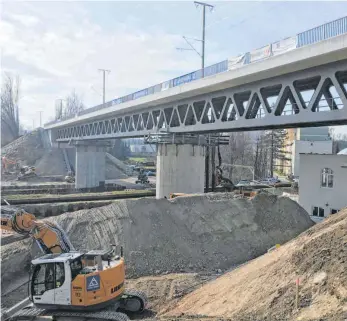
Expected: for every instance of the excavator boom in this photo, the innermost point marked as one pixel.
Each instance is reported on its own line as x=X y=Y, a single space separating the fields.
x=50 y=237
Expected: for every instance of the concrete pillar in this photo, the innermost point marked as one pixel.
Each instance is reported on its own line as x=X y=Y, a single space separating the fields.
x=180 y=169
x=90 y=164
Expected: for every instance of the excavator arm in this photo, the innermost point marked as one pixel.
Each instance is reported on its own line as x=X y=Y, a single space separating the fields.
x=50 y=237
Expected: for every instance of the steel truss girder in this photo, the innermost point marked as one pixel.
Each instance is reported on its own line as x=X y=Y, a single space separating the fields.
x=278 y=102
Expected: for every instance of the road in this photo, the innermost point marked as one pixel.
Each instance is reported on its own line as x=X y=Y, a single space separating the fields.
x=129 y=182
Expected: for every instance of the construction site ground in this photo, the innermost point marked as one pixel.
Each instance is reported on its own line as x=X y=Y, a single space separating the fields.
x=162 y=290
x=236 y=236
x=171 y=246
x=263 y=289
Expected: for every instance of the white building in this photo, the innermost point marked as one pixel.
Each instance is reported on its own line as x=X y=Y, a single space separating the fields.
x=315 y=140
x=323 y=184
x=308 y=147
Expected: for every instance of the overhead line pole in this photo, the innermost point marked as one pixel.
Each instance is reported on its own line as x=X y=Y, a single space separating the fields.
x=104 y=83
x=204 y=5
x=40 y=117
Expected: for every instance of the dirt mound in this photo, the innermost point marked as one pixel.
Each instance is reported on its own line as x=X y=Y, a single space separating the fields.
x=26 y=150
x=112 y=172
x=264 y=289
x=52 y=163
x=215 y=231
x=197 y=233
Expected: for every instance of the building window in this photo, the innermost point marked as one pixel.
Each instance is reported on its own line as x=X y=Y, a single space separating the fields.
x=318 y=211
x=327 y=178
x=333 y=211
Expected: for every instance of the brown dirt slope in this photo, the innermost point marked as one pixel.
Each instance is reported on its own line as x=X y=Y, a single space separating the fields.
x=26 y=150
x=264 y=289
x=164 y=290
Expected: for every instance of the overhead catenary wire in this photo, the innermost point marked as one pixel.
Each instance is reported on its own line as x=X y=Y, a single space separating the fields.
x=246 y=18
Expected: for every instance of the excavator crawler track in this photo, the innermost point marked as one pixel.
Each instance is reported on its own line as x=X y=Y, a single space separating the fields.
x=141 y=296
x=30 y=313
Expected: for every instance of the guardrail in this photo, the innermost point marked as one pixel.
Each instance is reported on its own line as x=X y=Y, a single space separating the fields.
x=323 y=32
x=320 y=33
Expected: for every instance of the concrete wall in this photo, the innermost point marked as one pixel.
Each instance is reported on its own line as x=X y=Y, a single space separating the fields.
x=310 y=191
x=307 y=147
x=46 y=138
x=180 y=169
x=90 y=165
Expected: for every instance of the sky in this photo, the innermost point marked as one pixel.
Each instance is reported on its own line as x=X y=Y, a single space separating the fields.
x=58 y=46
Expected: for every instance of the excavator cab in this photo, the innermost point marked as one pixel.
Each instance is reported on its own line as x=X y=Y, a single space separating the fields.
x=76 y=281
x=50 y=282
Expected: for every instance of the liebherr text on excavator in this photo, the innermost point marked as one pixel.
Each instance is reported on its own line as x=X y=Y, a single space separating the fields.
x=68 y=283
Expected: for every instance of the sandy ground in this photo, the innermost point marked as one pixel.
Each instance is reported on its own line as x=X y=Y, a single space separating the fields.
x=129 y=182
x=162 y=290
x=265 y=288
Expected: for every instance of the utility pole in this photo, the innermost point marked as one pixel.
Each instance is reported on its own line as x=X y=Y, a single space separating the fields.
x=104 y=83
x=60 y=113
x=204 y=5
x=202 y=54
x=40 y=117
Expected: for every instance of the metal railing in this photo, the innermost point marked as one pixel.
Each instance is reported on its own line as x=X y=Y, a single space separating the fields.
x=320 y=33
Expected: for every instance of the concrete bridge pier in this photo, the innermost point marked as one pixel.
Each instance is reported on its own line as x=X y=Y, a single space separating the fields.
x=90 y=163
x=180 y=169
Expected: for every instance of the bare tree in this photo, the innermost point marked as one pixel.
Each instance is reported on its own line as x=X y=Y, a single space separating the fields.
x=239 y=151
x=276 y=140
x=74 y=104
x=9 y=106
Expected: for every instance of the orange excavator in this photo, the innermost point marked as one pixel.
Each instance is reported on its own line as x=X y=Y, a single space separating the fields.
x=68 y=283
x=5 y=162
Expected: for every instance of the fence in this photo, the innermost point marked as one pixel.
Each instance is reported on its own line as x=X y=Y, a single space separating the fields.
x=323 y=32
x=320 y=33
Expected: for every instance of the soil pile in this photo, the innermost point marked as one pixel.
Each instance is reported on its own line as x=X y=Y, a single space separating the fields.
x=52 y=163
x=113 y=172
x=200 y=232
x=196 y=233
x=26 y=150
x=264 y=289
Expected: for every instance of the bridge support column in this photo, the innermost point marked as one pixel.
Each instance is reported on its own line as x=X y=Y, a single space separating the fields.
x=90 y=163
x=180 y=169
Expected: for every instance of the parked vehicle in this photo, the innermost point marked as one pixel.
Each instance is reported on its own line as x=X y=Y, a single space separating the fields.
x=270 y=181
x=243 y=182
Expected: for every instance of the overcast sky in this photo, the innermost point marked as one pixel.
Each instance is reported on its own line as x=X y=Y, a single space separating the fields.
x=58 y=46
